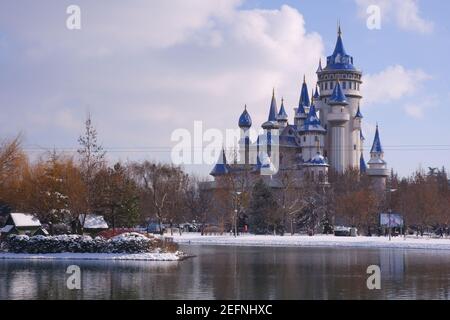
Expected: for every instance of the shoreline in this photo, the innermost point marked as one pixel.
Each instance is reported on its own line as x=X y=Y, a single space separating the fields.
x=318 y=241
x=95 y=256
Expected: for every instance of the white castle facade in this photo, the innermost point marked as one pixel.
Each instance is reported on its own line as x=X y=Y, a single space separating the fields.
x=325 y=132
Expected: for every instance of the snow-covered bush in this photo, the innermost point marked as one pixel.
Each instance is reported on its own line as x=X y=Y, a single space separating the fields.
x=124 y=243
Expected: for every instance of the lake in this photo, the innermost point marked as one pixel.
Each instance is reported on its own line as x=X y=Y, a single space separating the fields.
x=221 y=272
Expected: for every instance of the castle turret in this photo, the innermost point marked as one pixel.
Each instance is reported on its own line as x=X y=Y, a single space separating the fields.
x=340 y=72
x=282 y=116
x=303 y=104
x=338 y=119
x=377 y=170
x=312 y=135
x=272 y=122
x=317 y=169
x=270 y=138
x=245 y=123
x=221 y=168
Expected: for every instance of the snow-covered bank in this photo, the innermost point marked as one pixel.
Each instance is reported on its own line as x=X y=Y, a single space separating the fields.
x=315 y=241
x=176 y=256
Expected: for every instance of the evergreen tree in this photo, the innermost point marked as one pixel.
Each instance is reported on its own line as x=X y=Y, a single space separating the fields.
x=263 y=209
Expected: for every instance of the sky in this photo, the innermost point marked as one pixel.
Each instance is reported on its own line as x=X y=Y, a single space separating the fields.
x=144 y=69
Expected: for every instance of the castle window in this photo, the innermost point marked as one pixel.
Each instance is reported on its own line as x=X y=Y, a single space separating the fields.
x=321 y=176
x=304 y=139
x=331 y=85
x=344 y=85
x=316 y=138
x=354 y=147
x=326 y=85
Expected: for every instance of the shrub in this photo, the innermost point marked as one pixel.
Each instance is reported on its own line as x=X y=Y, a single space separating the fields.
x=124 y=243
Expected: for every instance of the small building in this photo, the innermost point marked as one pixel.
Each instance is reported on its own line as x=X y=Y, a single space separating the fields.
x=21 y=223
x=93 y=224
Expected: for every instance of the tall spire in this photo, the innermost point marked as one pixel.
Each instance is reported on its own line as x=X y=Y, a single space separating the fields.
x=273 y=108
x=304 y=98
x=319 y=68
x=282 y=115
x=316 y=94
x=376 y=147
x=339 y=59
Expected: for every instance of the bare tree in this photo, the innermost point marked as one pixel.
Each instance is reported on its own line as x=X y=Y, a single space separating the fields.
x=92 y=158
x=162 y=187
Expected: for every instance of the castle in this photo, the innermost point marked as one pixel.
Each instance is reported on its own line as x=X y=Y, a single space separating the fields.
x=325 y=134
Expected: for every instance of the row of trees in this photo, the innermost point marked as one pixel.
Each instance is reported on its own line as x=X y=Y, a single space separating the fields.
x=61 y=188
x=423 y=199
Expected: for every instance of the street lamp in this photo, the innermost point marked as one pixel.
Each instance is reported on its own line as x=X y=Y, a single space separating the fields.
x=390 y=191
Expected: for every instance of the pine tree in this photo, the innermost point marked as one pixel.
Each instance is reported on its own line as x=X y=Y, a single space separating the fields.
x=263 y=209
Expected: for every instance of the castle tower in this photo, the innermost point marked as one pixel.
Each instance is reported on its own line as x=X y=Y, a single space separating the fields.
x=338 y=119
x=317 y=169
x=358 y=142
x=303 y=104
x=270 y=127
x=343 y=134
x=377 y=170
x=282 y=116
x=245 y=123
x=312 y=135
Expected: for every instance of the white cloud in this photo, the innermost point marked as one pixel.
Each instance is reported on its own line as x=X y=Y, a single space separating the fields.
x=145 y=68
x=393 y=83
x=414 y=110
x=405 y=13
x=419 y=109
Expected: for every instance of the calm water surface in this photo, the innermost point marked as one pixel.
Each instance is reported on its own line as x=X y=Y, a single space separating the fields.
x=220 y=272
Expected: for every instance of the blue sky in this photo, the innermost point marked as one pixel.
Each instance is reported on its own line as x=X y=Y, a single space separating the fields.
x=146 y=68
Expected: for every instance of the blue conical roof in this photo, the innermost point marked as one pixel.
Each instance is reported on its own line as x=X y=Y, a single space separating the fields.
x=362 y=164
x=316 y=93
x=319 y=68
x=358 y=113
x=273 y=108
x=312 y=122
x=221 y=168
x=304 y=98
x=339 y=48
x=338 y=96
x=376 y=147
x=282 y=115
x=245 y=121
x=340 y=60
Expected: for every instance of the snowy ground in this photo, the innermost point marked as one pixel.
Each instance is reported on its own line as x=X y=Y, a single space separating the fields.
x=315 y=241
x=96 y=256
